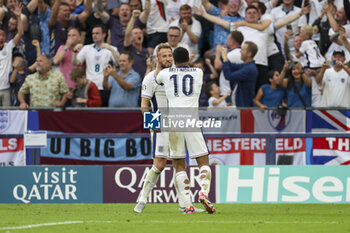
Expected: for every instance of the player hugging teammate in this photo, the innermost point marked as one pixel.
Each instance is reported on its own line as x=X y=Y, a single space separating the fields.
x=182 y=86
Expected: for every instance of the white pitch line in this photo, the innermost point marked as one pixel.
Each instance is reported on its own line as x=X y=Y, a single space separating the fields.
x=41 y=225
x=177 y=222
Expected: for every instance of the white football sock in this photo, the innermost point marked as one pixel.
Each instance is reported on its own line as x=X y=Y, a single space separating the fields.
x=183 y=189
x=205 y=179
x=180 y=199
x=150 y=182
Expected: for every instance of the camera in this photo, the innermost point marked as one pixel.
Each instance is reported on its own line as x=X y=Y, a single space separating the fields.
x=111 y=62
x=281 y=110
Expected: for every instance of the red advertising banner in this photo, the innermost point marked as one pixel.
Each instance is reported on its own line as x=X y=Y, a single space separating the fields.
x=12 y=151
x=122 y=184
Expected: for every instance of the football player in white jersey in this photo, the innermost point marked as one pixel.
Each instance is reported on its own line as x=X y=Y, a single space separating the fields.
x=182 y=88
x=150 y=92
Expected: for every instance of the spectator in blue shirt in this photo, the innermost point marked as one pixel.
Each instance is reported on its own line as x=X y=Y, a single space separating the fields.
x=124 y=84
x=298 y=86
x=270 y=95
x=44 y=14
x=231 y=15
x=244 y=75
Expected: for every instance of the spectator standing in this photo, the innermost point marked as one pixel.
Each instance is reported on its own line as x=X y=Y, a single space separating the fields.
x=337 y=22
x=11 y=28
x=316 y=88
x=174 y=38
x=286 y=8
x=60 y=21
x=260 y=39
x=335 y=82
x=256 y=36
x=134 y=39
x=234 y=41
x=46 y=88
x=230 y=15
x=298 y=86
x=118 y=26
x=86 y=93
x=157 y=25
x=19 y=73
x=266 y=24
x=6 y=56
x=44 y=14
x=190 y=28
x=244 y=75
x=296 y=47
x=96 y=57
x=63 y=57
x=124 y=84
x=98 y=17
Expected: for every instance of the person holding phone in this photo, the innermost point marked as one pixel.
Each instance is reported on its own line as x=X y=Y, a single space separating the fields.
x=298 y=86
x=18 y=75
x=86 y=93
x=335 y=81
x=124 y=84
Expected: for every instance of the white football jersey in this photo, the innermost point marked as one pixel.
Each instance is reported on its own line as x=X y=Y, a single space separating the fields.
x=151 y=89
x=336 y=91
x=312 y=54
x=96 y=60
x=182 y=85
x=260 y=39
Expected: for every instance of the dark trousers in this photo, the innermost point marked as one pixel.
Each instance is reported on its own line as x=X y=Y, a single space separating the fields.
x=262 y=76
x=104 y=97
x=276 y=62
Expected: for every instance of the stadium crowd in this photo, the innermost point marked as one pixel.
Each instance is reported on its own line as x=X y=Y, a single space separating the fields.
x=92 y=53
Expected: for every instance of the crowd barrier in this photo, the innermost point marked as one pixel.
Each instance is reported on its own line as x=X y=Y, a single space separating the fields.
x=246 y=137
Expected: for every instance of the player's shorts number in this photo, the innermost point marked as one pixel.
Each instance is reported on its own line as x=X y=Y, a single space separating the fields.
x=187 y=85
x=97 y=68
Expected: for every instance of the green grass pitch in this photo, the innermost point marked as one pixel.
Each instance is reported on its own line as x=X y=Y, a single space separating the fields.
x=166 y=218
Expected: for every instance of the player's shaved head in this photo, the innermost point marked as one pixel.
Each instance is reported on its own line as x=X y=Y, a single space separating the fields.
x=181 y=55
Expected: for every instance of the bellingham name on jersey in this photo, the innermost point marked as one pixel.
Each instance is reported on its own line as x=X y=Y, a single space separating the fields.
x=182 y=69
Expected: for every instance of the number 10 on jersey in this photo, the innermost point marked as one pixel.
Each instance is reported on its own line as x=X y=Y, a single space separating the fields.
x=187 y=84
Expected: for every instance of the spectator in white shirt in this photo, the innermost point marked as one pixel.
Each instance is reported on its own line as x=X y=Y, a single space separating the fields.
x=285 y=9
x=215 y=100
x=335 y=82
x=6 y=56
x=191 y=29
